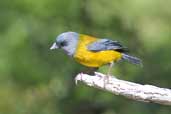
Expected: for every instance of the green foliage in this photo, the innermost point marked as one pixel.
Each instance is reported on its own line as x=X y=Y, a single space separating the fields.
x=35 y=80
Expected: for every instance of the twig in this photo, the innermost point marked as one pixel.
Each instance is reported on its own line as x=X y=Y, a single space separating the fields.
x=145 y=93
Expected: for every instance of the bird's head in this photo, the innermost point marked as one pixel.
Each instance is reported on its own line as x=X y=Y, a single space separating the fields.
x=66 y=41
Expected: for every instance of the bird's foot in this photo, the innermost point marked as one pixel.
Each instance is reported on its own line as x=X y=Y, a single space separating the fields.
x=78 y=77
x=105 y=80
x=99 y=74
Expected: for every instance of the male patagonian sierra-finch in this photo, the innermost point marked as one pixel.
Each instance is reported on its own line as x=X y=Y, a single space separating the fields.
x=91 y=51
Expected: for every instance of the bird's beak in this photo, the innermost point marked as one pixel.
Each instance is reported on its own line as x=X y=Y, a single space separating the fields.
x=54 y=46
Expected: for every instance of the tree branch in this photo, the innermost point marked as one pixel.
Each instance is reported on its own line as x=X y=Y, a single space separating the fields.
x=145 y=93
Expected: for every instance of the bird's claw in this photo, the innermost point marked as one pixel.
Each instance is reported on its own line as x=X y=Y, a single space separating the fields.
x=78 y=77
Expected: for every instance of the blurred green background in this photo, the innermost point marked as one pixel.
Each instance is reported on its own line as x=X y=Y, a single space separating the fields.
x=35 y=80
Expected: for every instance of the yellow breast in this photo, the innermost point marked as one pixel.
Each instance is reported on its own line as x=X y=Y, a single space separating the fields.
x=93 y=59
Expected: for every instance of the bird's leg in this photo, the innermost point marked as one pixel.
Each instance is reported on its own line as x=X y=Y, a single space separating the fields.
x=92 y=70
x=110 y=68
x=109 y=71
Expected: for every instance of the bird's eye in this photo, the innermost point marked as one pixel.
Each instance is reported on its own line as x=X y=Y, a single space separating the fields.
x=63 y=44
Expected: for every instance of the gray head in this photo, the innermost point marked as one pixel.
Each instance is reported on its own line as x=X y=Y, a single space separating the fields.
x=66 y=41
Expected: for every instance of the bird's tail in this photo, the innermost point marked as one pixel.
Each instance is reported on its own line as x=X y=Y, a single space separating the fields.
x=132 y=59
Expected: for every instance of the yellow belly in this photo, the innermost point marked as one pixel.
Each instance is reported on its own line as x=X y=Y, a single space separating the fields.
x=93 y=59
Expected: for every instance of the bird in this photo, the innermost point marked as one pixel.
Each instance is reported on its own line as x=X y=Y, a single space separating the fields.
x=93 y=52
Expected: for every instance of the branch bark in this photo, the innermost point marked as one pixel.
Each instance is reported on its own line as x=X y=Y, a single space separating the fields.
x=145 y=93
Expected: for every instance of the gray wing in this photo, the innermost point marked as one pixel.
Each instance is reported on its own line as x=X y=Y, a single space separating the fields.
x=106 y=44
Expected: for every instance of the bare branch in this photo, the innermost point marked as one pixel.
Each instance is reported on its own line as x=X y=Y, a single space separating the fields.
x=145 y=93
